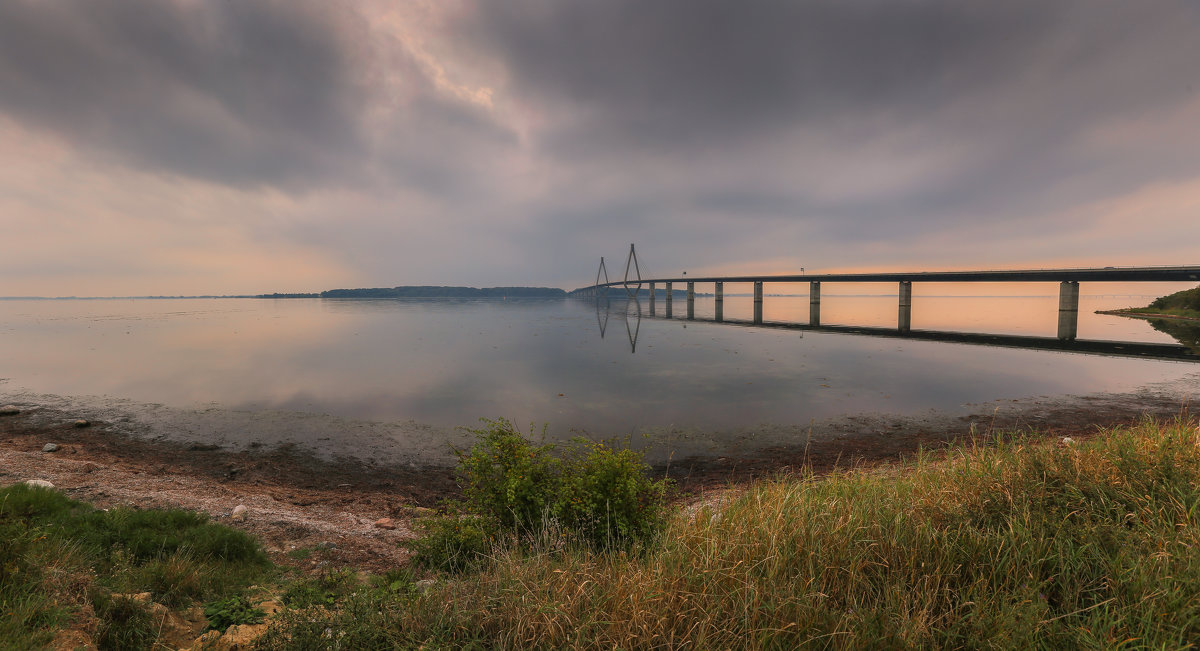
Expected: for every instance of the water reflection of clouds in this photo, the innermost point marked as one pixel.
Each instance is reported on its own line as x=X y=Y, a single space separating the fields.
x=449 y=363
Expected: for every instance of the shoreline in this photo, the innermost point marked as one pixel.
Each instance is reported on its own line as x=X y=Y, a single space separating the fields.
x=1144 y=315
x=313 y=512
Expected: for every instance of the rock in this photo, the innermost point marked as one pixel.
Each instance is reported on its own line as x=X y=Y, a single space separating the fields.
x=385 y=523
x=50 y=447
x=1066 y=440
x=90 y=467
x=206 y=641
x=241 y=636
x=9 y=410
x=325 y=544
x=82 y=423
x=270 y=606
x=40 y=483
x=240 y=512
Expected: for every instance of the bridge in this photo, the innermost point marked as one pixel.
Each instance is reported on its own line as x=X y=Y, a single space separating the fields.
x=1068 y=280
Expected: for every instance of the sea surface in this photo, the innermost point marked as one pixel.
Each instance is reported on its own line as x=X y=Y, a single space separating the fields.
x=402 y=377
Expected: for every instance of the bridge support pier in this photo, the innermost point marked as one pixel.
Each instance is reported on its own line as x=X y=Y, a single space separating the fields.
x=904 y=323
x=719 y=292
x=1068 y=310
x=691 y=300
x=651 y=299
x=670 y=296
x=814 y=302
x=758 y=300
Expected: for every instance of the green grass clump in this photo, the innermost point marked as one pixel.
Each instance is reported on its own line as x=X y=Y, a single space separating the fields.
x=58 y=555
x=1019 y=545
x=125 y=624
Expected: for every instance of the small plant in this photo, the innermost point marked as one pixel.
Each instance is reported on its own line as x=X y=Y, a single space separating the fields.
x=455 y=543
x=126 y=624
x=232 y=611
x=396 y=581
x=174 y=580
x=300 y=553
x=325 y=590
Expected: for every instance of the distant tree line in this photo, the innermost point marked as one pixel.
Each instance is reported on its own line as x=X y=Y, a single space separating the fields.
x=432 y=291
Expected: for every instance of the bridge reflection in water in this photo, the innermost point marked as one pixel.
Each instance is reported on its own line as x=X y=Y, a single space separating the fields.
x=631 y=312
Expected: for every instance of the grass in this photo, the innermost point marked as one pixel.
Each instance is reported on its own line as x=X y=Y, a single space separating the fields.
x=60 y=557
x=1016 y=545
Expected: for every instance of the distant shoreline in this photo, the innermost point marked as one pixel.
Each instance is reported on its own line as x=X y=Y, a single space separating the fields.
x=1147 y=315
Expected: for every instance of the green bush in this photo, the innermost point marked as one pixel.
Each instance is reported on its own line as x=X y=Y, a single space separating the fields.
x=606 y=497
x=594 y=493
x=506 y=478
x=232 y=611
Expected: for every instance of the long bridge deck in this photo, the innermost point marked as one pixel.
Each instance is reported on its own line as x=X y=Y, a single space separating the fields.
x=1068 y=279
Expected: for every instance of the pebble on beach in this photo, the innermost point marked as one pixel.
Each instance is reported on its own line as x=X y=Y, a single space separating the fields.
x=50 y=447
x=240 y=512
x=9 y=410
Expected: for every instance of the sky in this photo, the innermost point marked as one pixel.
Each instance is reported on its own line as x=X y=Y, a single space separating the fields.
x=152 y=147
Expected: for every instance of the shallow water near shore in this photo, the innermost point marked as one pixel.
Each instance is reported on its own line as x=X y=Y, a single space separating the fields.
x=399 y=378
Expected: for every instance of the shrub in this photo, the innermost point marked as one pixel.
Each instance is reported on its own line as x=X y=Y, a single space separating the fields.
x=232 y=611
x=595 y=493
x=506 y=478
x=606 y=496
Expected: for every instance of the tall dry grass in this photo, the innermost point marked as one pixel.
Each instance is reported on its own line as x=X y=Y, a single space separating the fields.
x=1016 y=545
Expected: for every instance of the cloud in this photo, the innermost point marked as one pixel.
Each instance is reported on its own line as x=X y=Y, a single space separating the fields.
x=241 y=93
x=471 y=142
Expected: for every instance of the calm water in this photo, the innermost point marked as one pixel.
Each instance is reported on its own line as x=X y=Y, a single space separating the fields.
x=404 y=374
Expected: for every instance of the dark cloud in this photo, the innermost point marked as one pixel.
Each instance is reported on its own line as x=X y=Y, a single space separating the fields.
x=243 y=93
x=693 y=73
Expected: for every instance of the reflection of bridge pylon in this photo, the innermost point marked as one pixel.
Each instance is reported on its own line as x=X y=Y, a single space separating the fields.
x=604 y=307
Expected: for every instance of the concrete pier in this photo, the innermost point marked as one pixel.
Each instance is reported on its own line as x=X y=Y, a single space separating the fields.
x=691 y=300
x=758 y=300
x=719 y=292
x=904 y=322
x=814 y=303
x=670 y=297
x=1068 y=310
